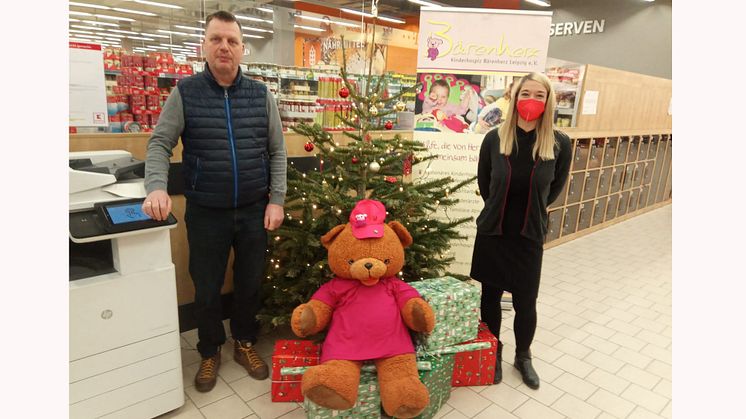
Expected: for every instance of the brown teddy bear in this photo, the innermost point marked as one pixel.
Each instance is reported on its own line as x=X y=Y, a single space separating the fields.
x=369 y=312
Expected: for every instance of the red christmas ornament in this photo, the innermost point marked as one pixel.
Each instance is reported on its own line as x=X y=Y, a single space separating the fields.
x=368 y=138
x=388 y=125
x=407 y=166
x=355 y=160
x=308 y=146
x=344 y=92
x=390 y=179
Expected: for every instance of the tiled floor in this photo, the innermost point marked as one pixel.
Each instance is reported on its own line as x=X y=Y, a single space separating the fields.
x=602 y=347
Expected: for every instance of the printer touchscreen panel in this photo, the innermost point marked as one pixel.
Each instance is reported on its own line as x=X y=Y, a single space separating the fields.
x=127 y=213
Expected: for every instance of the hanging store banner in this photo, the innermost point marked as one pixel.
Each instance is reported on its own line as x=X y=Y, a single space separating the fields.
x=87 y=88
x=505 y=40
x=464 y=72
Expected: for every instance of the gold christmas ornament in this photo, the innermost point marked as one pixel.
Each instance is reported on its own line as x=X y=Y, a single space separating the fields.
x=373 y=110
x=400 y=106
x=380 y=105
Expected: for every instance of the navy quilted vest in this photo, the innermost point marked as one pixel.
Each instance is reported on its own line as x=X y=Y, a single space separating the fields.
x=225 y=161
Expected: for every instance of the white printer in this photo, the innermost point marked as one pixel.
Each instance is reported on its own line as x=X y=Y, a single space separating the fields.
x=125 y=357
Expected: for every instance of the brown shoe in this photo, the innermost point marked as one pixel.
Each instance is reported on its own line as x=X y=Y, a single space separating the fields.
x=207 y=375
x=245 y=354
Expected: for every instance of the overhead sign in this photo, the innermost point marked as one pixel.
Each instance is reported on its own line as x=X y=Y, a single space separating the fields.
x=87 y=87
x=507 y=40
x=577 y=28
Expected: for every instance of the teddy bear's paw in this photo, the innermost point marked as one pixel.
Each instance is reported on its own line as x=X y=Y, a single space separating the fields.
x=406 y=397
x=329 y=398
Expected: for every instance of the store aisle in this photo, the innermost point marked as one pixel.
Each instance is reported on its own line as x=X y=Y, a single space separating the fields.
x=602 y=347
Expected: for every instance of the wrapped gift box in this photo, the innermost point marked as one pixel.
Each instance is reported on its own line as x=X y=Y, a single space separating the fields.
x=438 y=382
x=456 y=307
x=291 y=353
x=368 y=403
x=476 y=368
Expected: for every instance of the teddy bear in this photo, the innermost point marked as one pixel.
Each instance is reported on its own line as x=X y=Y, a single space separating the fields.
x=369 y=312
x=432 y=47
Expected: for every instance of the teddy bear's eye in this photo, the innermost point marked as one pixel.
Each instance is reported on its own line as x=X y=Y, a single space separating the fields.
x=387 y=261
x=350 y=261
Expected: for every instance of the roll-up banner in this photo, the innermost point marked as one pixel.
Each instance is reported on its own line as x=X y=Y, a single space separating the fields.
x=466 y=59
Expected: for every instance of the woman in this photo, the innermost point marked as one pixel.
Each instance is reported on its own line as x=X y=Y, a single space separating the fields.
x=523 y=166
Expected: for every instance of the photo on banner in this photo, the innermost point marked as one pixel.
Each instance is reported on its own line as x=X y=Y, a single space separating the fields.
x=464 y=74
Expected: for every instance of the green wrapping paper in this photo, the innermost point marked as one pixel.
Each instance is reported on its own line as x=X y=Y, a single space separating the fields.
x=456 y=307
x=438 y=382
x=368 y=405
x=421 y=365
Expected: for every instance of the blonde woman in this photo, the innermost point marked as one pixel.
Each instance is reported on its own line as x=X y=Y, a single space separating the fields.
x=523 y=166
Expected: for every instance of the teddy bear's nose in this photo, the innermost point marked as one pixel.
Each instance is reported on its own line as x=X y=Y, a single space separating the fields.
x=368 y=265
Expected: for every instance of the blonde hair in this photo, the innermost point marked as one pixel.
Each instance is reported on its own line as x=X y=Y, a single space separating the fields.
x=544 y=145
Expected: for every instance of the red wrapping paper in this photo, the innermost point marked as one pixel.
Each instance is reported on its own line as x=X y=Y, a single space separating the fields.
x=291 y=353
x=476 y=368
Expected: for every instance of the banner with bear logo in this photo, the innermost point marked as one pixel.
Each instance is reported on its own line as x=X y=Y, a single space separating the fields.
x=466 y=60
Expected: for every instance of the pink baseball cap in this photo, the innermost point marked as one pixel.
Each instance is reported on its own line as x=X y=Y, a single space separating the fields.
x=367 y=219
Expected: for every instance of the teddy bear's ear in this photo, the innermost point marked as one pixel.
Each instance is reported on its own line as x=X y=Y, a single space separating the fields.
x=329 y=237
x=401 y=231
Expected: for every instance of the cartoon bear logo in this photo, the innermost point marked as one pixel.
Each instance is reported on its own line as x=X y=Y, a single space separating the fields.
x=432 y=47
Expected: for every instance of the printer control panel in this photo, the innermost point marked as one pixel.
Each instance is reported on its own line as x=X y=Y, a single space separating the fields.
x=113 y=217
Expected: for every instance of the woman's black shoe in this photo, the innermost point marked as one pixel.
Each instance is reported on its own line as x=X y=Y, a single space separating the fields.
x=528 y=373
x=499 y=364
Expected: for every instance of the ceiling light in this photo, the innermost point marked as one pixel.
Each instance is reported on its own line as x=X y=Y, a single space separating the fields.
x=72 y=12
x=170 y=45
x=92 y=28
x=121 y=31
x=126 y=19
x=112 y=39
x=201 y=21
x=172 y=32
x=318 y=19
x=192 y=43
x=254 y=19
x=252 y=36
x=90 y=36
x=79 y=31
x=196 y=35
x=145 y=49
x=140 y=38
x=355 y=12
x=265 y=10
x=137 y=12
x=93 y=6
x=309 y=28
x=155 y=35
x=425 y=3
x=189 y=27
x=153 y=3
x=93 y=22
x=391 y=19
x=249 y=28
x=114 y=35
x=542 y=3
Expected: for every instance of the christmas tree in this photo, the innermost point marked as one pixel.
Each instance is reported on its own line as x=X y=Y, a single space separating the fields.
x=366 y=166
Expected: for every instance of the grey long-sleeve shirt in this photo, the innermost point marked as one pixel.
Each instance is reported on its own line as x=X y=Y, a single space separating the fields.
x=170 y=126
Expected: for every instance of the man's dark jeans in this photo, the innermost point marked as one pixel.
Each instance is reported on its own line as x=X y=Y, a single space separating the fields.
x=211 y=233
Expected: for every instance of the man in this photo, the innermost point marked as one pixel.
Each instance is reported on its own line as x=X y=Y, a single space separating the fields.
x=234 y=165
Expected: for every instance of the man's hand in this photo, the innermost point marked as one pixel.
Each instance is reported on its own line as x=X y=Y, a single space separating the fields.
x=273 y=216
x=157 y=205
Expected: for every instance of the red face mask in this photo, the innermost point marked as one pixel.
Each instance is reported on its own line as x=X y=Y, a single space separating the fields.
x=530 y=109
